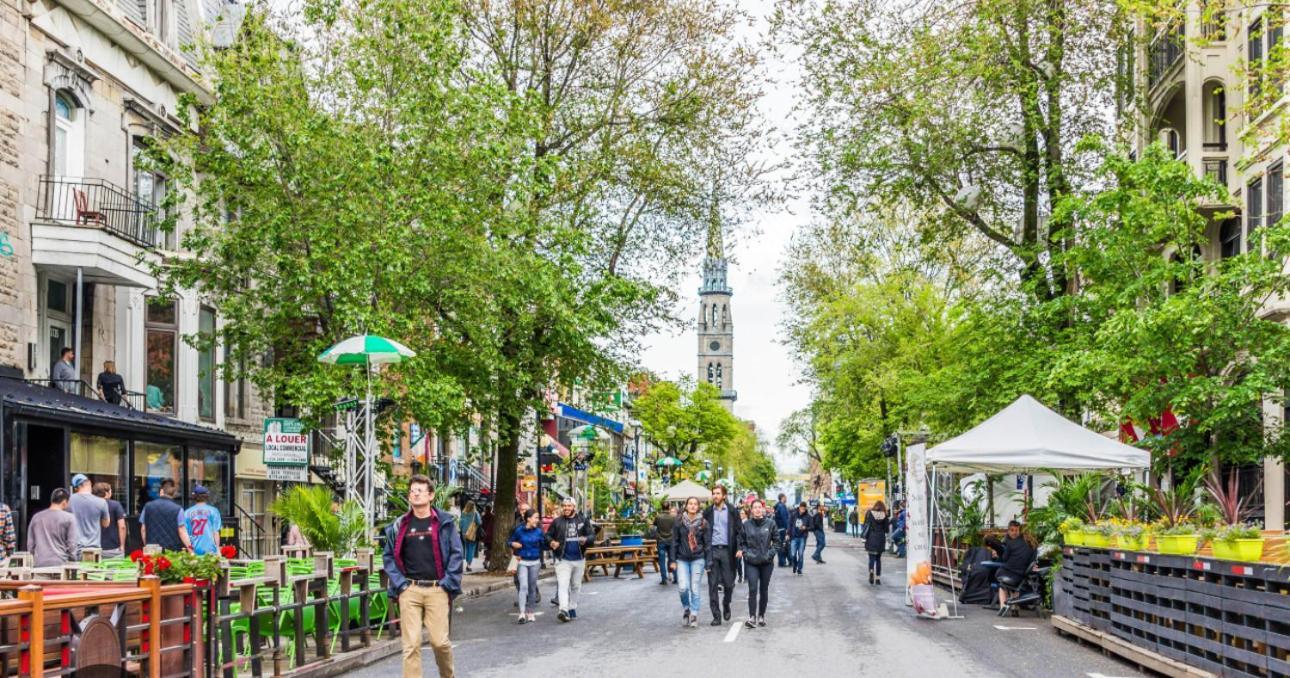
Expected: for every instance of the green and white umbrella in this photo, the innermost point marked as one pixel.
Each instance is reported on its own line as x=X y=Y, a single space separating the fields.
x=366 y=349
x=703 y=476
x=668 y=461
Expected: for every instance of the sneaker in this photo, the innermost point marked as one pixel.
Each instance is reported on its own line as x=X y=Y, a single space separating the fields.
x=685 y=618
x=694 y=622
x=871 y=577
x=522 y=620
x=877 y=581
x=725 y=611
x=663 y=583
x=532 y=617
x=563 y=616
x=716 y=621
x=761 y=621
x=751 y=623
x=573 y=614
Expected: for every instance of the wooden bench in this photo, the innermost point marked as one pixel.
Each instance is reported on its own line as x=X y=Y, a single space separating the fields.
x=602 y=557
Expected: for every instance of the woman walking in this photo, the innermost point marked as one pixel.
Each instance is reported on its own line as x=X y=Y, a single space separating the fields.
x=739 y=562
x=876 y=525
x=526 y=540
x=758 y=540
x=472 y=527
x=688 y=560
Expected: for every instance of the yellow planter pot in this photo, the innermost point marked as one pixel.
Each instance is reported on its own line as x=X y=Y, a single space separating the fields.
x=1128 y=543
x=1177 y=544
x=1246 y=550
x=1097 y=540
x=1074 y=538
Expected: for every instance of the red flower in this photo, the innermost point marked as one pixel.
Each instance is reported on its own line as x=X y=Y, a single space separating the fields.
x=228 y=552
x=136 y=555
x=163 y=563
x=147 y=567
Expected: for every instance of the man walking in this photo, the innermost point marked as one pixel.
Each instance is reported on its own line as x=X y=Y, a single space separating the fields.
x=203 y=522
x=781 y=524
x=798 y=528
x=112 y=540
x=162 y=521
x=423 y=560
x=568 y=537
x=91 y=514
x=663 y=523
x=821 y=521
x=722 y=531
x=51 y=534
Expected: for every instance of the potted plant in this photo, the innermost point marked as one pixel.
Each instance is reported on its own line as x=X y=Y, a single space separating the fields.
x=1181 y=539
x=328 y=524
x=1072 y=531
x=1131 y=535
x=1238 y=542
x=1099 y=535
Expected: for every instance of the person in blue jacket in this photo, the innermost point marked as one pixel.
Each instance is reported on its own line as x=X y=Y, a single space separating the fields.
x=781 y=524
x=527 y=541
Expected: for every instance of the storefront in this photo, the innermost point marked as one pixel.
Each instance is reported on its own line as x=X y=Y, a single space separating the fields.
x=47 y=436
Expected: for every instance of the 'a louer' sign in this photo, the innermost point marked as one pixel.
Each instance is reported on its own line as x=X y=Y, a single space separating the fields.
x=286 y=443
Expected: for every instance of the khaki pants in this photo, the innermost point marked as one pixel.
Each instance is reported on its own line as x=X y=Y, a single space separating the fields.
x=425 y=606
x=568 y=580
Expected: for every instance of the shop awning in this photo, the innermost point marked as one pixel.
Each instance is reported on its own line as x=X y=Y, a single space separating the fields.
x=57 y=407
x=570 y=412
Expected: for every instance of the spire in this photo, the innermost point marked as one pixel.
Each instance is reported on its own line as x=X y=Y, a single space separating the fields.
x=715 y=248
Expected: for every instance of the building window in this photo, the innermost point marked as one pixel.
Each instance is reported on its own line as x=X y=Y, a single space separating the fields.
x=153 y=463
x=711 y=374
x=714 y=315
x=1229 y=237
x=235 y=392
x=69 y=137
x=1254 y=60
x=162 y=331
x=1263 y=38
x=101 y=458
x=1276 y=181
x=150 y=189
x=719 y=375
x=1253 y=209
x=1213 y=20
x=210 y=468
x=206 y=363
x=1215 y=109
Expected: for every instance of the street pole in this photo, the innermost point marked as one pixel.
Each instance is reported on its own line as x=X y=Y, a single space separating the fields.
x=537 y=466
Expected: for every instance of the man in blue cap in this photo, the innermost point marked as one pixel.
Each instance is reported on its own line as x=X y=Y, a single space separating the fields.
x=91 y=514
x=203 y=523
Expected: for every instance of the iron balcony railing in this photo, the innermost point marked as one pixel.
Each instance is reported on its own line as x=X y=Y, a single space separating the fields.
x=1165 y=51
x=95 y=203
x=133 y=400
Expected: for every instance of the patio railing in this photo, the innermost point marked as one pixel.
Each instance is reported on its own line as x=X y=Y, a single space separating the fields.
x=95 y=203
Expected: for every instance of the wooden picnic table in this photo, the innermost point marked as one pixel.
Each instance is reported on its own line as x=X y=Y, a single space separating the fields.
x=619 y=556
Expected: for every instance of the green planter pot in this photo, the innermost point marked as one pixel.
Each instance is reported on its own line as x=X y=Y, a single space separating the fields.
x=1097 y=540
x=1128 y=543
x=1177 y=544
x=1246 y=550
x=1074 y=538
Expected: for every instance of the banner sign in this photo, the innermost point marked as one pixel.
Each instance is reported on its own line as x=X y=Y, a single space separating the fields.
x=918 y=548
x=288 y=474
x=286 y=443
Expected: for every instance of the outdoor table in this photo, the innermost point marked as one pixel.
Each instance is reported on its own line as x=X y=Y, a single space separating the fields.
x=618 y=556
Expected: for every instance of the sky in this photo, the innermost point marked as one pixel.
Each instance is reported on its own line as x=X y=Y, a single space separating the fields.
x=765 y=375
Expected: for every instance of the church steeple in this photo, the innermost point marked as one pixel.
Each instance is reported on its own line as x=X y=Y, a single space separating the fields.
x=716 y=324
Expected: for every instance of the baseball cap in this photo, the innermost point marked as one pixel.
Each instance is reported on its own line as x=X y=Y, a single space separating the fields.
x=201 y=489
x=78 y=479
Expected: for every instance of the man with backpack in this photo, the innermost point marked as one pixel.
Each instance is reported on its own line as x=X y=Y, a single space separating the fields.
x=781 y=524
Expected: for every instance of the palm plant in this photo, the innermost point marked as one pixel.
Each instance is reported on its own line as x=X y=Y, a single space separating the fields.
x=1231 y=505
x=1177 y=505
x=328 y=525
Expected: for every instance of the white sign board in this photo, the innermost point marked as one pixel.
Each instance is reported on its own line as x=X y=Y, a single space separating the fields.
x=285 y=442
x=918 y=548
x=291 y=474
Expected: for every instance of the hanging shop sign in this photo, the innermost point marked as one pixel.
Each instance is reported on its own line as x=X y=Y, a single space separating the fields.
x=286 y=443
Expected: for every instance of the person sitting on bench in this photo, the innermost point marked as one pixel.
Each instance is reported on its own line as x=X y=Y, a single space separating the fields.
x=1018 y=556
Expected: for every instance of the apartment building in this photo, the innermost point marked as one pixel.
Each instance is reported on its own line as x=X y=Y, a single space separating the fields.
x=1207 y=98
x=85 y=86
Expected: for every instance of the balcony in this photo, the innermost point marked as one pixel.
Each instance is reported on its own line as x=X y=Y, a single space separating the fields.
x=94 y=203
x=94 y=227
x=1165 y=52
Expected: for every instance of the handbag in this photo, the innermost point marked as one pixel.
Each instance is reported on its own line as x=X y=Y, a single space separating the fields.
x=513 y=566
x=470 y=531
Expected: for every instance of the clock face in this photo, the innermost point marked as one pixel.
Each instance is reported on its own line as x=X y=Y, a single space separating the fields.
x=715 y=346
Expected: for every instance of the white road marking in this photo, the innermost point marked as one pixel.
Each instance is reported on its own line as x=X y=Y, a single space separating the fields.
x=1099 y=675
x=1014 y=628
x=734 y=632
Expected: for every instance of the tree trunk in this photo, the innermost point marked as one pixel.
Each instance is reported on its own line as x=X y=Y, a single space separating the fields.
x=508 y=451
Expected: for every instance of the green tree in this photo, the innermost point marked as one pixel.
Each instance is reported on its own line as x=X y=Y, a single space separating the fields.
x=688 y=421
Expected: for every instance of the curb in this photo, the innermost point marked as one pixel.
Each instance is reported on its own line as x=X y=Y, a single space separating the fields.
x=341 y=664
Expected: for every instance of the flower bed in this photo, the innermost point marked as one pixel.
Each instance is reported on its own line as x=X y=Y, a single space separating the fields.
x=1226 y=617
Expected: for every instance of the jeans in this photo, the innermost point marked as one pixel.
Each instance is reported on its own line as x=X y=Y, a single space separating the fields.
x=722 y=576
x=783 y=548
x=758 y=587
x=426 y=606
x=528 y=594
x=664 y=557
x=797 y=553
x=898 y=538
x=819 y=546
x=875 y=563
x=568 y=581
x=689 y=574
x=470 y=547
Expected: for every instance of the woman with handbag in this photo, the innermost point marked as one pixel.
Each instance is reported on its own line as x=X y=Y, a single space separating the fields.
x=758 y=541
x=471 y=525
x=527 y=542
x=876 y=525
x=688 y=551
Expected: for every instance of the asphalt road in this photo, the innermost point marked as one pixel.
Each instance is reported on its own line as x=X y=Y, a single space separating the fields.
x=827 y=621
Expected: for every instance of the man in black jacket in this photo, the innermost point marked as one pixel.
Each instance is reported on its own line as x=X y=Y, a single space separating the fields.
x=569 y=536
x=818 y=526
x=721 y=529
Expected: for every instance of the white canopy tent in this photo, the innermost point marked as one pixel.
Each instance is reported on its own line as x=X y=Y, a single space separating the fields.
x=686 y=489
x=1024 y=437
